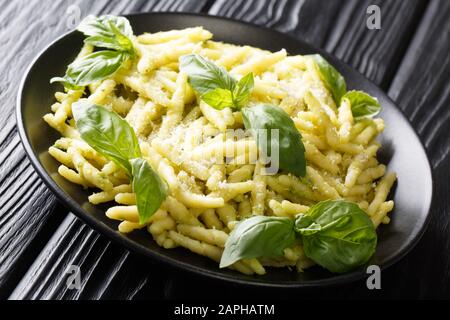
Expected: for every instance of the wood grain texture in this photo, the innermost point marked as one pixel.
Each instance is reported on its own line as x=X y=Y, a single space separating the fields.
x=300 y=18
x=422 y=90
x=339 y=27
x=29 y=213
x=414 y=40
x=106 y=270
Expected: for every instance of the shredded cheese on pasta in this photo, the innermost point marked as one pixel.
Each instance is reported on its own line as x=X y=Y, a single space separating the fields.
x=185 y=141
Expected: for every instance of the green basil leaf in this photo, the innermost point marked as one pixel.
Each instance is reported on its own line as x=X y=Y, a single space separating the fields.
x=101 y=26
x=243 y=90
x=289 y=141
x=333 y=80
x=150 y=190
x=66 y=83
x=124 y=41
x=363 y=105
x=219 y=98
x=258 y=236
x=214 y=84
x=108 y=32
x=204 y=76
x=306 y=225
x=103 y=42
x=340 y=236
x=93 y=67
x=106 y=132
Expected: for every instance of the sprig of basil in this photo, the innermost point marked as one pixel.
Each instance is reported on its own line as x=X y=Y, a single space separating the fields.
x=243 y=90
x=110 y=135
x=111 y=32
x=337 y=235
x=150 y=190
x=204 y=75
x=106 y=132
x=258 y=236
x=290 y=146
x=363 y=105
x=214 y=84
x=332 y=79
x=101 y=26
x=108 y=32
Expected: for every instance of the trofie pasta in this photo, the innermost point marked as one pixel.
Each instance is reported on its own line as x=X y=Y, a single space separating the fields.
x=213 y=170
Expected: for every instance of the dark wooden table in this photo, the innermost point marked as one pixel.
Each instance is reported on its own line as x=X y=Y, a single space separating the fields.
x=408 y=57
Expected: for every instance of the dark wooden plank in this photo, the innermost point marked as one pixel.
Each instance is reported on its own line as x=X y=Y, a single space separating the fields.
x=29 y=213
x=106 y=270
x=300 y=18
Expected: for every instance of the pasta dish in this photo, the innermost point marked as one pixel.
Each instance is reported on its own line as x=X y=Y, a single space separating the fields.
x=251 y=158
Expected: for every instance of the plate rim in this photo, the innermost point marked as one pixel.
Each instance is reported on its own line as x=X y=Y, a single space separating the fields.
x=136 y=247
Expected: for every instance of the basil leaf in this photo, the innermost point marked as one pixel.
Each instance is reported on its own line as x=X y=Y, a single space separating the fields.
x=124 y=41
x=258 y=236
x=204 y=76
x=243 y=90
x=66 y=83
x=106 y=132
x=109 y=134
x=219 y=98
x=306 y=225
x=118 y=41
x=103 y=42
x=101 y=26
x=94 y=67
x=362 y=105
x=108 y=32
x=150 y=190
x=333 y=80
x=337 y=235
x=289 y=141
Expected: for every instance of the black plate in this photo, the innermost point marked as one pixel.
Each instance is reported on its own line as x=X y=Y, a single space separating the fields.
x=402 y=151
